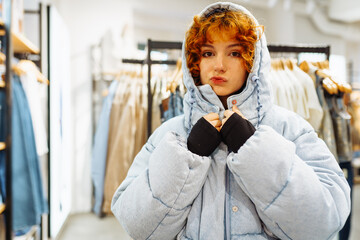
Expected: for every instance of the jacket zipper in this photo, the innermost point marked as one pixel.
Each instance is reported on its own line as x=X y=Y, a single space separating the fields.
x=227 y=203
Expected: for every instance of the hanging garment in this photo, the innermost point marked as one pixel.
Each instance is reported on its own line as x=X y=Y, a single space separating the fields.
x=174 y=105
x=2 y=227
x=156 y=82
x=294 y=90
x=326 y=129
x=312 y=100
x=2 y=139
x=280 y=97
x=98 y=158
x=354 y=110
x=345 y=231
x=283 y=90
x=27 y=189
x=341 y=124
x=121 y=145
x=32 y=90
x=141 y=117
x=298 y=94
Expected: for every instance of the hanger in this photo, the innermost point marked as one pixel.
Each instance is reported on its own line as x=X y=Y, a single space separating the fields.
x=341 y=85
x=305 y=66
x=278 y=64
x=290 y=64
x=2 y=81
x=2 y=58
x=312 y=68
x=24 y=66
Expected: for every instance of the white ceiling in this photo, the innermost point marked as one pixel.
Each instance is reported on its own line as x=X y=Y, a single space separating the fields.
x=344 y=10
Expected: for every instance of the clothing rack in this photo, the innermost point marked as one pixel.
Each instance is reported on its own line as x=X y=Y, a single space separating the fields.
x=345 y=166
x=9 y=50
x=154 y=45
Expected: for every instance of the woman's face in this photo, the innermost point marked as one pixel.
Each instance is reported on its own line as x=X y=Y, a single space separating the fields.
x=221 y=65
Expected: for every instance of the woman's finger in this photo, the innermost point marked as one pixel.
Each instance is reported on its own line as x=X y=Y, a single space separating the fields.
x=211 y=116
x=228 y=113
x=217 y=123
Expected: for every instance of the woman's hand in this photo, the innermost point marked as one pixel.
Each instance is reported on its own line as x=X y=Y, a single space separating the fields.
x=228 y=113
x=205 y=136
x=235 y=129
x=213 y=119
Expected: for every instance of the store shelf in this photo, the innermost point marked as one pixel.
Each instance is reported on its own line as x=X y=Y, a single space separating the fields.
x=20 y=43
x=23 y=45
x=2 y=146
x=2 y=208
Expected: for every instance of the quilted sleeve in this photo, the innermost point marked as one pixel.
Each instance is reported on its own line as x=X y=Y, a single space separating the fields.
x=298 y=188
x=154 y=200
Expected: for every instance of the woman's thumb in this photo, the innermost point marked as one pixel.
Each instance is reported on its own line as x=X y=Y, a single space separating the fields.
x=236 y=109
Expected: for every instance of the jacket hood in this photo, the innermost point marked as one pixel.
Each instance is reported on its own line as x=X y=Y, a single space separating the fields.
x=253 y=101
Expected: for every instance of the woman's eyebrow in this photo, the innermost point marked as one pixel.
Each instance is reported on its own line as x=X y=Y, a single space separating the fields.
x=208 y=45
x=234 y=45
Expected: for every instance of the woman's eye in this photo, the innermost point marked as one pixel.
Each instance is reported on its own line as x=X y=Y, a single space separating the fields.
x=235 y=54
x=207 y=54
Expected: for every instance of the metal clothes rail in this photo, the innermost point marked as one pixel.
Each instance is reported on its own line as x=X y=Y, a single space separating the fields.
x=301 y=48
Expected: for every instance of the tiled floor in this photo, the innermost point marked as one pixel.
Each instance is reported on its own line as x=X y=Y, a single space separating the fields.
x=88 y=226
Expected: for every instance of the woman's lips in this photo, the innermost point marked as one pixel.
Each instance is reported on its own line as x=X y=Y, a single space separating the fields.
x=218 y=80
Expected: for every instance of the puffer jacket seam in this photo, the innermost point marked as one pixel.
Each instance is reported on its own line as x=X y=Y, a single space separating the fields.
x=156 y=198
x=283 y=231
x=300 y=135
x=171 y=207
x=247 y=234
x=282 y=189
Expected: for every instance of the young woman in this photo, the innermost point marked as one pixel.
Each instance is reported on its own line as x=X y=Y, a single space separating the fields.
x=234 y=166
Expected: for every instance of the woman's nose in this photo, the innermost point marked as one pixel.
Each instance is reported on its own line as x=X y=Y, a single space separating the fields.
x=220 y=65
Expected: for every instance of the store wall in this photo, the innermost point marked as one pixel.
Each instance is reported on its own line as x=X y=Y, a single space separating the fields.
x=88 y=21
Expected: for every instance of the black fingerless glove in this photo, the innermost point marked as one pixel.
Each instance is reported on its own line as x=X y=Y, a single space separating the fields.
x=236 y=131
x=203 y=138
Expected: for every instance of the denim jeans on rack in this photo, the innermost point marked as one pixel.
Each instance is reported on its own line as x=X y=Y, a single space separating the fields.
x=345 y=231
x=2 y=139
x=175 y=106
x=27 y=188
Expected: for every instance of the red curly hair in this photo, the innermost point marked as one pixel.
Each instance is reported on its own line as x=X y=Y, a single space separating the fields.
x=237 y=24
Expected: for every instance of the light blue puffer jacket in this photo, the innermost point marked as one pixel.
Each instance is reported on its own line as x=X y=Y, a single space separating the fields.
x=283 y=182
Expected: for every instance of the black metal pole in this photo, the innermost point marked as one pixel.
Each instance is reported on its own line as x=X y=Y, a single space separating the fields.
x=49 y=126
x=149 y=88
x=40 y=35
x=8 y=90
